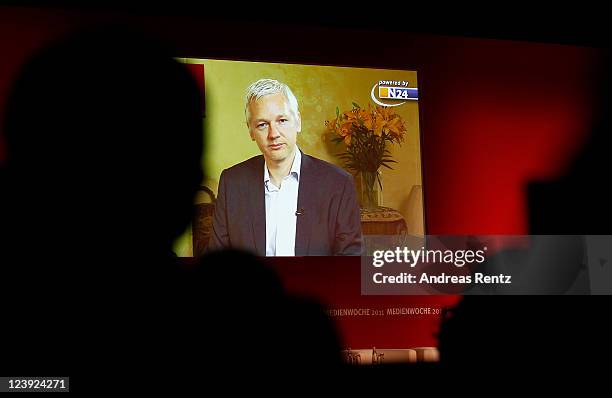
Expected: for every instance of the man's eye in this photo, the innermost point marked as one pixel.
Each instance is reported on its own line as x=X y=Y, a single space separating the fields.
x=282 y=121
x=261 y=125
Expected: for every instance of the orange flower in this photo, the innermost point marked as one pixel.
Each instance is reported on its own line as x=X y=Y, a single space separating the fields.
x=363 y=114
x=384 y=112
x=396 y=127
x=368 y=121
x=366 y=132
x=379 y=126
x=332 y=125
x=350 y=115
x=345 y=131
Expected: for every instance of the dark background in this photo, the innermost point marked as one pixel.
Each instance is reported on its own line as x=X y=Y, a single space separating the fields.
x=504 y=101
x=495 y=114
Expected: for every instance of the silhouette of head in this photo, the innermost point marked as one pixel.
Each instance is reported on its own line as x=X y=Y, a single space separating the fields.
x=104 y=138
x=580 y=207
x=245 y=302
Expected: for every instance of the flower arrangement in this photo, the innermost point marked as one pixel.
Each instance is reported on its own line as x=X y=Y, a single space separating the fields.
x=366 y=132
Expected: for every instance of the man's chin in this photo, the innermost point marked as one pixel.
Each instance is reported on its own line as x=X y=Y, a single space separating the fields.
x=278 y=155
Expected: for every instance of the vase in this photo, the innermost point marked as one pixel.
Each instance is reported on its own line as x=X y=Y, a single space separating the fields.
x=369 y=189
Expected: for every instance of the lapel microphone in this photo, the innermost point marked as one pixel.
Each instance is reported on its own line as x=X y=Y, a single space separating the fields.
x=299 y=212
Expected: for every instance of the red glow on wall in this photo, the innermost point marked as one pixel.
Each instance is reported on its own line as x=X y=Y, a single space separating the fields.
x=494 y=116
x=197 y=71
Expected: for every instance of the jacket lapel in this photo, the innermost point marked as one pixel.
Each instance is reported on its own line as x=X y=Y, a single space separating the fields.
x=306 y=193
x=256 y=197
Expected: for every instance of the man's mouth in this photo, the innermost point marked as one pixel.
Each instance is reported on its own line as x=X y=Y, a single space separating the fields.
x=275 y=146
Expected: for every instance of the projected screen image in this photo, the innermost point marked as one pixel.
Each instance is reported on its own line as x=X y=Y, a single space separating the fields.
x=305 y=160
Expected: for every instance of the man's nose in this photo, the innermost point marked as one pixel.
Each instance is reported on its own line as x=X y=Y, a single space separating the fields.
x=273 y=132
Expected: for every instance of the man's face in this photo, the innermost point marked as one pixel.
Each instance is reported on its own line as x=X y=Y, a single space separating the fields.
x=274 y=127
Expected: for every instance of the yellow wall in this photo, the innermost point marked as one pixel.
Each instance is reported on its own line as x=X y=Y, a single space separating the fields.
x=319 y=89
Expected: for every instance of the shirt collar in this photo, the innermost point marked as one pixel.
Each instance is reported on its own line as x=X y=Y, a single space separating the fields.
x=295 y=167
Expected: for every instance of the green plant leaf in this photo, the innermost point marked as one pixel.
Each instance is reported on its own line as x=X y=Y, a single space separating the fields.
x=356 y=105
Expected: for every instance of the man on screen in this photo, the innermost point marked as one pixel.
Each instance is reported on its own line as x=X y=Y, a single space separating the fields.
x=284 y=202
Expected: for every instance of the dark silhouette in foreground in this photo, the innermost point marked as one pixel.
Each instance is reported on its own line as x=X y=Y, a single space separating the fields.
x=104 y=138
x=542 y=330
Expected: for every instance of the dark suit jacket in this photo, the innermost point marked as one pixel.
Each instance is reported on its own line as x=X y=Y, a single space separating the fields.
x=329 y=223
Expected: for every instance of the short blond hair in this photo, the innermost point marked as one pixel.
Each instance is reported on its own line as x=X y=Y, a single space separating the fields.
x=263 y=87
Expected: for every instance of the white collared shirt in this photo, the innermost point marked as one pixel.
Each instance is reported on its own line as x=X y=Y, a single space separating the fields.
x=281 y=205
